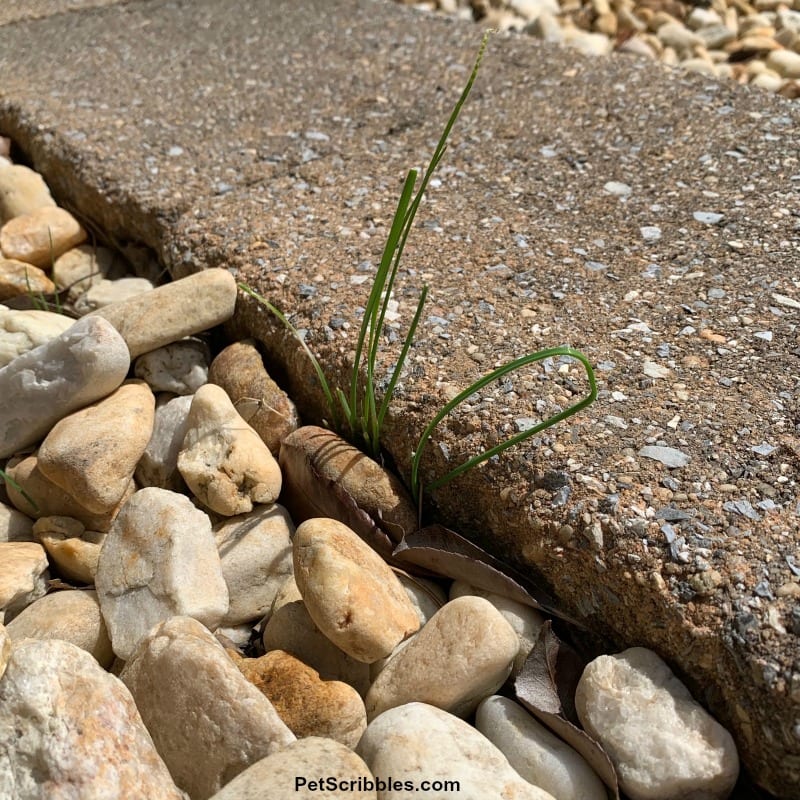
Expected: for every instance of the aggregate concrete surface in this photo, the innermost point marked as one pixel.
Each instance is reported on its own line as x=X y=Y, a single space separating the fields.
x=647 y=217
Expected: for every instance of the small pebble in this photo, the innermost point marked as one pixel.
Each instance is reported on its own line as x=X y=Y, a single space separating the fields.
x=313 y=768
x=668 y=456
x=208 y=722
x=159 y=560
x=223 y=460
x=350 y=592
x=661 y=741
x=417 y=741
x=535 y=752
x=464 y=653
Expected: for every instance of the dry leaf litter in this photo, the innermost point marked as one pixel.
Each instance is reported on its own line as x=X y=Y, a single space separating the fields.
x=151 y=585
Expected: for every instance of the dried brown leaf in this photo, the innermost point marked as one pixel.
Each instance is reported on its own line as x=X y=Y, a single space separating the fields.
x=445 y=552
x=324 y=476
x=546 y=687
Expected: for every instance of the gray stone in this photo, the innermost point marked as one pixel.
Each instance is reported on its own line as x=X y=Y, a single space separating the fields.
x=660 y=739
x=180 y=367
x=71 y=730
x=86 y=362
x=72 y=616
x=668 y=456
x=207 y=721
x=158 y=465
x=416 y=742
x=173 y=311
x=256 y=554
x=158 y=561
x=295 y=773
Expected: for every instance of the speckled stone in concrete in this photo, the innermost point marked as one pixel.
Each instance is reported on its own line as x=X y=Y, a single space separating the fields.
x=247 y=158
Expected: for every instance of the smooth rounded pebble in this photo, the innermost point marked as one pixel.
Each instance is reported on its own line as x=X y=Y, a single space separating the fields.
x=180 y=367
x=23 y=577
x=239 y=370
x=22 y=190
x=21 y=331
x=71 y=730
x=74 y=550
x=85 y=363
x=82 y=267
x=14 y=525
x=73 y=616
x=663 y=743
x=308 y=769
x=207 y=721
x=525 y=620
x=291 y=628
x=536 y=754
x=416 y=742
x=309 y=705
x=350 y=592
x=41 y=236
x=52 y=500
x=463 y=654
x=105 y=292
x=18 y=278
x=223 y=460
x=91 y=454
x=159 y=560
x=173 y=311
x=256 y=554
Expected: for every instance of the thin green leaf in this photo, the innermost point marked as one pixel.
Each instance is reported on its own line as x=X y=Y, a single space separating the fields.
x=499 y=448
x=368 y=333
x=402 y=357
x=4 y=476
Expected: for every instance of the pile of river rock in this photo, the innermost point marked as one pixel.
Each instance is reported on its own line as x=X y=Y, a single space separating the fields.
x=749 y=41
x=168 y=631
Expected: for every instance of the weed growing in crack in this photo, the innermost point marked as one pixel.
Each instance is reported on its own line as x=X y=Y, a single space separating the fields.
x=360 y=412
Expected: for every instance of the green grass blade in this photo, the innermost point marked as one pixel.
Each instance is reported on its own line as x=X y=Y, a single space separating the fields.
x=369 y=333
x=499 y=448
x=402 y=357
x=4 y=476
x=323 y=381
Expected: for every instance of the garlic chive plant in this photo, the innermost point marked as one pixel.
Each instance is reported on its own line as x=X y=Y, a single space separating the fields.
x=357 y=411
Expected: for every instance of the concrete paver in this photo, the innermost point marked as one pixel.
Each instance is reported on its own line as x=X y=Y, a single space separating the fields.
x=273 y=138
x=16 y=10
